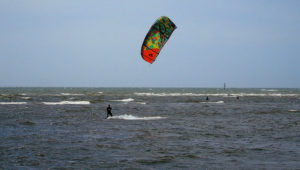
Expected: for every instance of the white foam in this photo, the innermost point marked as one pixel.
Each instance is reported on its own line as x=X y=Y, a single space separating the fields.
x=293 y=110
x=169 y=94
x=218 y=102
x=218 y=94
x=141 y=102
x=131 y=117
x=270 y=90
x=266 y=94
x=100 y=92
x=4 y=103
x=26 y=98
x=124 y=100
x=71 y=94
x=67 y=102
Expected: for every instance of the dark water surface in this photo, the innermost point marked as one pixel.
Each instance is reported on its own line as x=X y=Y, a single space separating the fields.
x=155 y=128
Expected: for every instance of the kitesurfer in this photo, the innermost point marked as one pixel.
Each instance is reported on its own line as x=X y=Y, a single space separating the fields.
x=108 y=109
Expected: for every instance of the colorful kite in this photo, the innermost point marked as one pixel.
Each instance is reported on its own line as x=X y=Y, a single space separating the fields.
x=156 y=38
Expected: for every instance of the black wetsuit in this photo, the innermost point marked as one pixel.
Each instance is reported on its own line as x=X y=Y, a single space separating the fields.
x=108 y=109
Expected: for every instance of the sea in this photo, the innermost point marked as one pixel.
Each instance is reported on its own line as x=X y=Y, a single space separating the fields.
x=151 y=128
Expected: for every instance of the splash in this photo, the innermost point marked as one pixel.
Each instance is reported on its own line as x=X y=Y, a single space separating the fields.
x=131 y=117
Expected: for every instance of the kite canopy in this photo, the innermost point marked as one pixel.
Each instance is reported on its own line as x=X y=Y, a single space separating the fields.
x=156 y=38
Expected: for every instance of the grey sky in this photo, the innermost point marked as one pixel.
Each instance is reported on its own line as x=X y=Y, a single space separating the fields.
x=97 y=43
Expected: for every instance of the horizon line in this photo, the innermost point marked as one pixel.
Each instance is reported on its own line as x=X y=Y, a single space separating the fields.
x=148 y=87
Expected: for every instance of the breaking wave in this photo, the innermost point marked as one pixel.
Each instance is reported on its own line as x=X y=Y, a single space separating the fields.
x=4 y=103
x=218 y=102
x=265 y=94
x=219 y=94
x=170 y=94
x=67 y=102
x=141 y=102
x=270 y=90
x=71 y=94
x=131 y=117
x=27 y=98
x=124 y=100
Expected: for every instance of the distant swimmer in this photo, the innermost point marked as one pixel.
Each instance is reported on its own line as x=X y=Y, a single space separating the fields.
x=207 y=98
x=108 y=109
x=237 y=97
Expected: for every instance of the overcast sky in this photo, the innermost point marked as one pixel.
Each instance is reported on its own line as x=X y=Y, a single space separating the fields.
x=97 y=43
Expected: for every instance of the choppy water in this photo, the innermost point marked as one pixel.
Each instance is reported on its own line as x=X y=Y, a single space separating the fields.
x=152 y=128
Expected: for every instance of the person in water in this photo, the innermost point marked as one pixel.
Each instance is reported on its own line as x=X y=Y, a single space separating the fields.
x=207 y=98
x=108 y=109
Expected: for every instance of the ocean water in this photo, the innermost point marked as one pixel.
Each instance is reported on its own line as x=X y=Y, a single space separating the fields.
x=152 y=128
